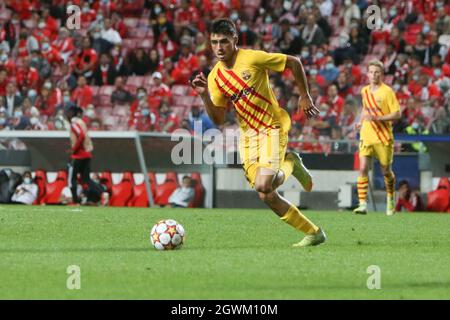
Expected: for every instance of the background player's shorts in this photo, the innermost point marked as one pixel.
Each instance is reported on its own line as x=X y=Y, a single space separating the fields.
x=384 y=153
x=266 y=149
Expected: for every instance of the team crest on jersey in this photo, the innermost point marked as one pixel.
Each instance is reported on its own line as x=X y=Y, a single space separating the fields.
x=246 y=75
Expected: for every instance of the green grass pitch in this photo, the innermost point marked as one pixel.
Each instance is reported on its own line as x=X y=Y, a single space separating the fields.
x=228 y=254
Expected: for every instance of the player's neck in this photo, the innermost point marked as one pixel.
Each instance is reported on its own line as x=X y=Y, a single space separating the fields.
x=375 y=86
x=230 y=63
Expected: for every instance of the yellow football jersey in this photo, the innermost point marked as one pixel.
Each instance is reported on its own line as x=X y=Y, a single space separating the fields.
x=246 y=85
x=382 y=101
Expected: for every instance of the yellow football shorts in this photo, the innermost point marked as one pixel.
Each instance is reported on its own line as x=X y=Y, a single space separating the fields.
x=384 y=153
x=265 y=149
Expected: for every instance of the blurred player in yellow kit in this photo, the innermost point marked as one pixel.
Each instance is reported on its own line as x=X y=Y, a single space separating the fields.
x=380 y=109
x=241 y=77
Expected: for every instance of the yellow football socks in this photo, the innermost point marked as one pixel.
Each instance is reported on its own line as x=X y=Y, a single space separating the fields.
x=296 y=219
x=363 y=186
x=389 y=181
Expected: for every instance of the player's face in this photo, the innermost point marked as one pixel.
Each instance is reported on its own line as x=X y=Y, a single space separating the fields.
x=375 y=75
x=223 y=46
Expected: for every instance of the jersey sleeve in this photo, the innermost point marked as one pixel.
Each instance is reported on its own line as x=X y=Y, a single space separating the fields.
x=272 y=61
x=217 y=97
x=393 y=104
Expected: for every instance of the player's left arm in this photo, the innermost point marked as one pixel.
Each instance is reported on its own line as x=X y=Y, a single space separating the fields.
x=305 y=101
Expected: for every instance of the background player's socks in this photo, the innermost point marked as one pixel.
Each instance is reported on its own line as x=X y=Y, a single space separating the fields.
x=296 y=219
x=389 y=182
x=287 y=167
x=363 y=186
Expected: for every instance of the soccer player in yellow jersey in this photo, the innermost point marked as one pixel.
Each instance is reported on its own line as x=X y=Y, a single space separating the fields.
x=241 y=77
x=380 y=109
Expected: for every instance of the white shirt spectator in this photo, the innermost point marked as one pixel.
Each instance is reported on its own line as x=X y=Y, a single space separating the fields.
x=25 y=193
x=182 y=197
x=111 y=36
x=326 y=8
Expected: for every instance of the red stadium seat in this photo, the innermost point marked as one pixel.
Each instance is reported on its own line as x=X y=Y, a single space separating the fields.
x=106 y=180
x=53 y=189
x=136 y=81
x=122 y=192
x=40 y=178
x=140 y=198
x=199 y=196
x=172 y=176
x=439 y=199
x=164 y=191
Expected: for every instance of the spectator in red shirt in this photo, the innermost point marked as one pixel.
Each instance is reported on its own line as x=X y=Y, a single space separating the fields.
x=187 y=16
x=408 y=199
x=425 y=89
x=335 y=102
x=143 y=118
x=64 y=44
x=27 y=76
x=118 y=24
x=168 y=121
x=85 y=61
x=51 y=54
x=7 y=64
x=3 y=82
x=185 y=66
x=46 y=102
x=166 y=47
x=82 y=95
x=160 y=90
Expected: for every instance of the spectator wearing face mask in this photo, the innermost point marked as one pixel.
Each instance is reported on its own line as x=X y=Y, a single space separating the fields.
x=18 y=121
x=8 y=64
x=40 y=63
x=51 y=54
x=48 y=100
x=27 y=192
x=329 y=71
x=143 y=118
x=183 y=195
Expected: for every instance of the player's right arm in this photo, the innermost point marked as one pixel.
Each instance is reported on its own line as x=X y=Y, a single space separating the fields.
x=215 y=112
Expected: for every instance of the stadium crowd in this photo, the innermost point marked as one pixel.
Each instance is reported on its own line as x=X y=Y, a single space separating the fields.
x=129 y=64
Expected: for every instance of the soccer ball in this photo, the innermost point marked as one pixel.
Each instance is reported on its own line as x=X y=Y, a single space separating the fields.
x=167 y=235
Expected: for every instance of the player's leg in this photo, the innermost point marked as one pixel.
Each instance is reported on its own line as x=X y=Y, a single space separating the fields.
x=290 y=214
x=85 y=171
x=363 y=184
x=265 y=181
x=73 y=178
x=385 y=155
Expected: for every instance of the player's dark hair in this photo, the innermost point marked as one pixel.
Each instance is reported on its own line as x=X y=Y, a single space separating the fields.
x=223 y=26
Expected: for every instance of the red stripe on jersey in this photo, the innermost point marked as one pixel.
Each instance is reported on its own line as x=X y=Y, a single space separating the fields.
x=374 y=124
x=379 y=109
x=244 y=85
x=241 y=107
x=236 y=90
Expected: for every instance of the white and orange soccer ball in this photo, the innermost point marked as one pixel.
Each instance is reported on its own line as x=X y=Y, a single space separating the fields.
x=167 y=235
